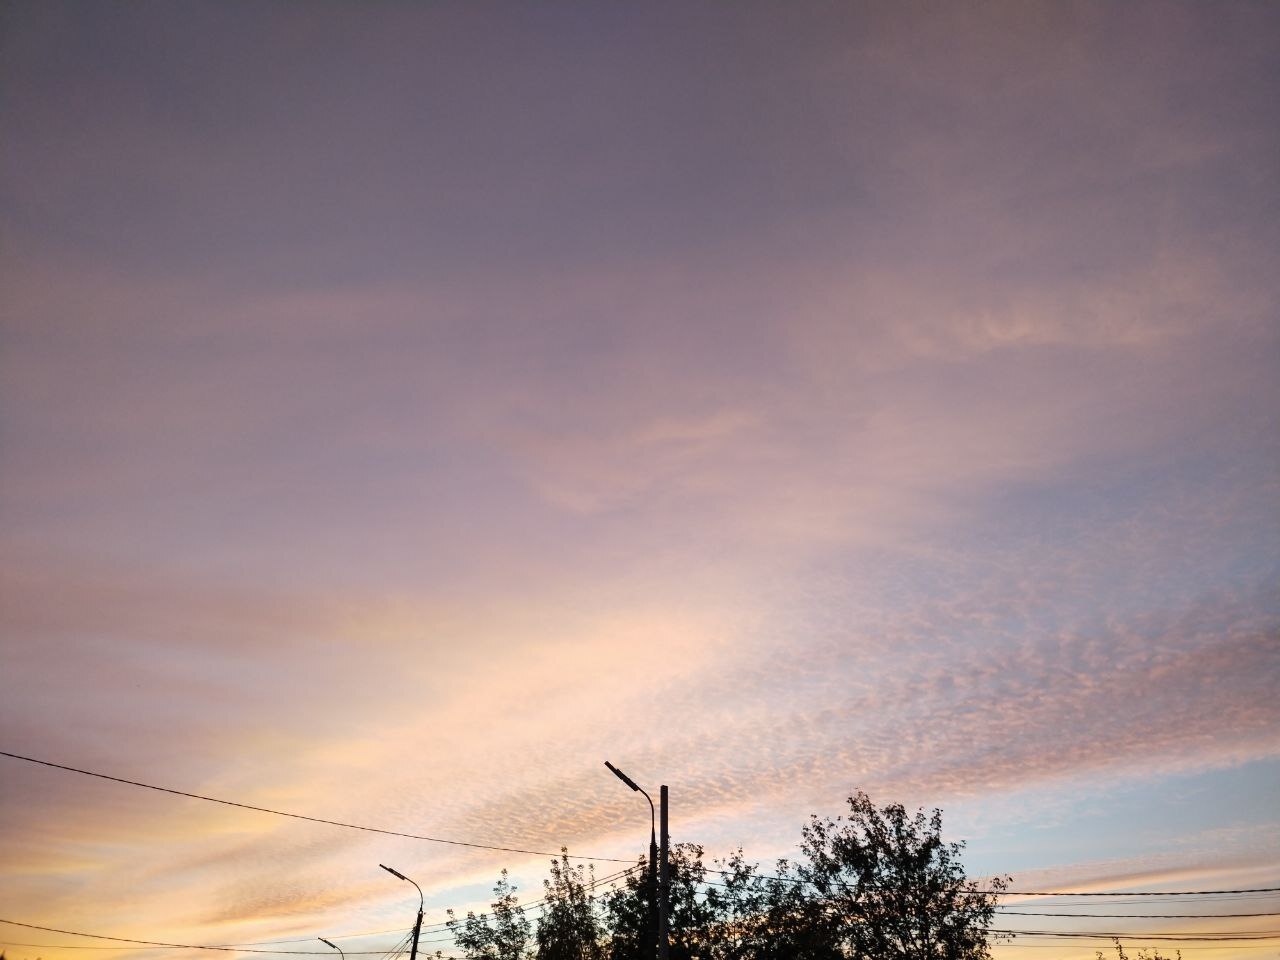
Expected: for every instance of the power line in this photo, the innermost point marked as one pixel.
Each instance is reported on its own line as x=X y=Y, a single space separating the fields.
x=1138 y=916
x=1129 y=893
x=1197 y=936
x=545 y=853
x=153 y=944
x=538 y=904
x=1096 y=935
x=1026 y=893
x=235 y=948
x=1181 y=947
x=181 y=946
x=400 y=947
x=1173 y=899
x=134 y=947
x=1235 y=893
x=531 y=905
x=75 y=946
x=242 y=948
x=300 y=816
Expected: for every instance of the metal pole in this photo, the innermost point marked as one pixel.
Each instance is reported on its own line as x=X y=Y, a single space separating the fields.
x=664 y=894
x=422 y=903
x=417 y=928
x=654 y=908
x=654 y=925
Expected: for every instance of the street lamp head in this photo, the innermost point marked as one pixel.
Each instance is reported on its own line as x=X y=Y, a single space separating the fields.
x=421 y=896
x=622 y=776
x=327 y=942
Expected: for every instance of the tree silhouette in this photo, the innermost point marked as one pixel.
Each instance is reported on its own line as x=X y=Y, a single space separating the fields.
x=873 y=884
x=693 y=919
x=505 y=937
x=885 y=886
x=568 y=928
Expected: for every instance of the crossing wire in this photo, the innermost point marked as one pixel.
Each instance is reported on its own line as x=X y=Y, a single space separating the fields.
x=1094 y=935
x=402 y=945
x=1181 y=947
x=1024 y=893
x=1137 y=917
x=1128 y=893
x=530 y=906
x=300 y=816
x=237 y=948
x=545 y=853
x=398 y=949
x=182 y=946
x=530 y=852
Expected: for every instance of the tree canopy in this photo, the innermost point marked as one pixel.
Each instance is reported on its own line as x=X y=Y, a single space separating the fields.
x=875 y=883
x=886 y=886
x=569 y=927
x=504 y=937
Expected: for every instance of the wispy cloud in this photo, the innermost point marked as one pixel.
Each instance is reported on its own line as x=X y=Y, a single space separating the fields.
x=844 y=398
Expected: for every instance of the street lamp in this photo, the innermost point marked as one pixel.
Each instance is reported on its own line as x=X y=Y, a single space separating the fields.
x=334 y=945
x=417 y=926
x=660 y=929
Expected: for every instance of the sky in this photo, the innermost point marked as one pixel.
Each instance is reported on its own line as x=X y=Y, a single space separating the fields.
x=405 y=408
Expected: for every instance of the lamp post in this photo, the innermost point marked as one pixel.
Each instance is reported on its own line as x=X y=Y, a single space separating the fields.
x=660 y=928
x=417 y=926
x=334 y=945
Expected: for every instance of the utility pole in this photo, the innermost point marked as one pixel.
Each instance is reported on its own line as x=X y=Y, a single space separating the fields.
x=664 y=894
x=655 y=908
x=417 y=929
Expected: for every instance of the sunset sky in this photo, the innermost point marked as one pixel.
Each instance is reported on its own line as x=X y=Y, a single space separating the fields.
x=405 y=407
